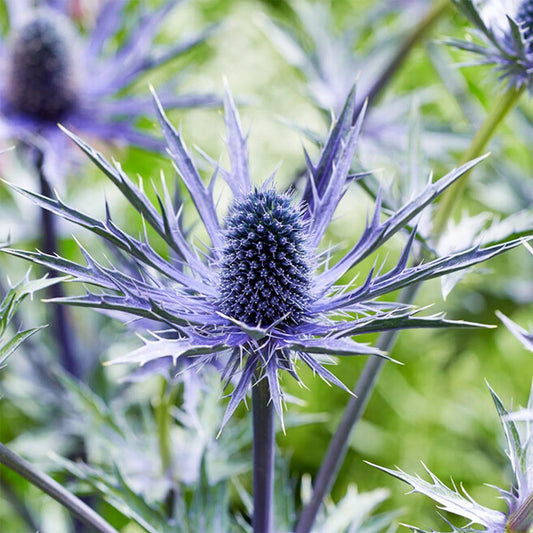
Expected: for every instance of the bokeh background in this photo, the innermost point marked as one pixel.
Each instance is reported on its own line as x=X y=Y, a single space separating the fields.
x=436 y=406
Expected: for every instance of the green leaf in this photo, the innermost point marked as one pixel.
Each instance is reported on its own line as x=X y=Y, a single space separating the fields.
x=7 y=349
x=8 y=306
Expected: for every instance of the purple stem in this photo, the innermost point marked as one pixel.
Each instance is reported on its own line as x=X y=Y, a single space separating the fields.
x=263 y=451
x=59 y=321
x=11 y=460
x=354 y=410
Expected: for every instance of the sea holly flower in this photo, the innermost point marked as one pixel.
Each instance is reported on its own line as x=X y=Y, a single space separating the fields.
x=53 y=73
x=504 y=37
x=519 y=497
x=262 y=295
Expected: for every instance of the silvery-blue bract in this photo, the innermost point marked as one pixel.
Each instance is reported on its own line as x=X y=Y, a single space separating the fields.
x=52 y=73
x=524 y=336
x=8 y=308
x=262 y=294
x=519 y=498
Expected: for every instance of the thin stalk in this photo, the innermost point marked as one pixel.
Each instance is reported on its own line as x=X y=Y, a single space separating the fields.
x=484 y=134
x=55 y=490
x=521 y=519
x=162 y=417
x=163 y=420
x=436 y=10
x=59 y=324
x=365 y=386
x=263 y=452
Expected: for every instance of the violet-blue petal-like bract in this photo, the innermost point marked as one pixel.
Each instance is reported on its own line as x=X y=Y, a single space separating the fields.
x=504 y=38
x=51 y=72
x=519 y=498
x=263 y=294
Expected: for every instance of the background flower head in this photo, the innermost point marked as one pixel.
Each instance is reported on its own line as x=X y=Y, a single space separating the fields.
x=332 y=60
x=504 y=32
x=53 y=72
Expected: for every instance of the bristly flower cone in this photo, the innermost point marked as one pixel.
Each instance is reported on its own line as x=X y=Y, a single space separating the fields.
x=41 y=73
x=54 y=71
x=265 y=271
x=504 y=38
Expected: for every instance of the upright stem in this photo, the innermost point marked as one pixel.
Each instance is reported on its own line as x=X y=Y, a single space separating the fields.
x=484 y=134
x=55 y=490
x=263 y=451
x=521 y=519
x=162 y=417
x=365 y=386
x=60 y=325
x=435 y=11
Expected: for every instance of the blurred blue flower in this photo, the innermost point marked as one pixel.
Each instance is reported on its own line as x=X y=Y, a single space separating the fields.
x=331 y=62
x=519 y=500
x=262 y=295
x=53 y=73
x=504 y=31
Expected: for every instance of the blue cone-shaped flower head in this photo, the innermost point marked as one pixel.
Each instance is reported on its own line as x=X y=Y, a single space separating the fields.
x=264 y=295
x=519 y=498
x=265 y=274
x=41 y=68
x=505 y=33
x=53 y=72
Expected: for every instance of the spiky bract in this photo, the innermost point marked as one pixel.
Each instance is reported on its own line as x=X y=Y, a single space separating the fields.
x=519 y=500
